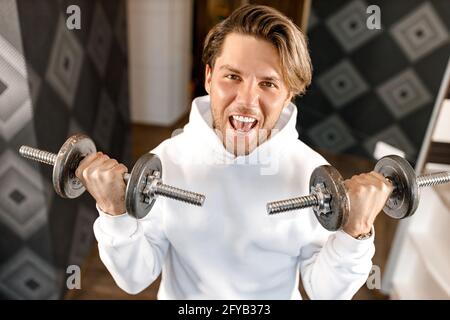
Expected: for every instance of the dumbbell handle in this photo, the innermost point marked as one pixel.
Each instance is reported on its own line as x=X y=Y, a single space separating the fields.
x=159 y=188
x=433 y=179
x=174 y=193
x=311 y=200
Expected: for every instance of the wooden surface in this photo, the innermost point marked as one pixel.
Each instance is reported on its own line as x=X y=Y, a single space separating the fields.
x=439 y=152
x=97 y=283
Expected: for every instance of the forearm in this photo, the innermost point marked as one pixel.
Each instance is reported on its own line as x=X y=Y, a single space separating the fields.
x=132 y=256
x=339 y=268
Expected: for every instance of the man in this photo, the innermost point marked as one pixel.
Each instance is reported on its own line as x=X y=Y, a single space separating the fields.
x=256 y=62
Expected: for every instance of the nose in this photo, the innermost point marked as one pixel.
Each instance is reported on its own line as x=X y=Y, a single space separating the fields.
x=248 y=94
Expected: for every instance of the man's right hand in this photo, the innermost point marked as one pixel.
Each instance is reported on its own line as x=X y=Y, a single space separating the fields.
x=103 y=179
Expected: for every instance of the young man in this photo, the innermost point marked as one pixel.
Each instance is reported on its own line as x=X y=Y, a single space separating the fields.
x=256 y=61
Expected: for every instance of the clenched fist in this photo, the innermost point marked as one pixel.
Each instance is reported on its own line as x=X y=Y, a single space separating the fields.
x=368 y=193
x=103 y=179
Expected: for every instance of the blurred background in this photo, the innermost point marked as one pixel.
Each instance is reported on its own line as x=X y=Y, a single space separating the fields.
x=127 y=77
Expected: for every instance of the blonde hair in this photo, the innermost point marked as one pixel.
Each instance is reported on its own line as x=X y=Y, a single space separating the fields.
x=271 y=25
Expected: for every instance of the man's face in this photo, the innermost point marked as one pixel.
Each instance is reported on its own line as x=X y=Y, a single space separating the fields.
x=247 y=92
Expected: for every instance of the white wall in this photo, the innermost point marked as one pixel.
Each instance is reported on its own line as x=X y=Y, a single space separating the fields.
x=417 y=267
x=160 y=39
x=442 y=130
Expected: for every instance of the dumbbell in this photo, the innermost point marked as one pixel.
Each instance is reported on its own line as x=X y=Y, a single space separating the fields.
x=143 y=183
x=329 y=201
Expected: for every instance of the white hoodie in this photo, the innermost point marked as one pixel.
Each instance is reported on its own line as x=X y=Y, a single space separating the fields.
x=231 y=248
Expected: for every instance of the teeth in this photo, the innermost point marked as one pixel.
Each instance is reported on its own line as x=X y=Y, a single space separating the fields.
x=243 y=119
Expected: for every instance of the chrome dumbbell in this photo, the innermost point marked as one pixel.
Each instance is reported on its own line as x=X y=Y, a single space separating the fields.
x=144 y=182
x=328 y=197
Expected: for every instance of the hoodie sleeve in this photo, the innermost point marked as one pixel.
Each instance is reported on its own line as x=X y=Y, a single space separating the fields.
x=334 y=265
x=132 y=250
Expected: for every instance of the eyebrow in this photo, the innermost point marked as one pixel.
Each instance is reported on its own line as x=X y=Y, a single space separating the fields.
x=234 y=70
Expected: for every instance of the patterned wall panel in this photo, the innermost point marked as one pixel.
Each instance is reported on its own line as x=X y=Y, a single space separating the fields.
x=372 y=85
x=54 y=82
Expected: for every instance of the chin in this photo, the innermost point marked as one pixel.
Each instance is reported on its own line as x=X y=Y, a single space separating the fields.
x=240 y=144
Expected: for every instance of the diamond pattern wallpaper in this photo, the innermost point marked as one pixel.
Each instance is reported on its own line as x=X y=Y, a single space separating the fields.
x=54 y=82
x=371 y=85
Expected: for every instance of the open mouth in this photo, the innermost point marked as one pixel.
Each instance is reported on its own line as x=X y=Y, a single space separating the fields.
x=243 y=123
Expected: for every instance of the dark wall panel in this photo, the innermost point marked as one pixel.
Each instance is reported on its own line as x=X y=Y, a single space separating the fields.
x=54 y=82
x=372 y=85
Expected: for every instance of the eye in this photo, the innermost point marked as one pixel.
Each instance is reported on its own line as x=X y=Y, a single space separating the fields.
x=269 y=84
x=232 y=77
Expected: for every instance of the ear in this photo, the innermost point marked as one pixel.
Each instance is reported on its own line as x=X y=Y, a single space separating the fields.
x=208 y=77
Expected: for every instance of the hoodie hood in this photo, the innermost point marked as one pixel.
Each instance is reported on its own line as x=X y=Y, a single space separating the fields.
x=200 y=128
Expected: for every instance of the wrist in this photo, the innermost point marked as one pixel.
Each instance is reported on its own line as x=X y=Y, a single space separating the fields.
x=111 y=210
x=364 y=236
x=359 y=233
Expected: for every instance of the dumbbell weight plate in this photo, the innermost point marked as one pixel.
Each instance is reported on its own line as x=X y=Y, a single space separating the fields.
x=75 y=148
x=404 y=199
x=339 y=204
x=134 y=198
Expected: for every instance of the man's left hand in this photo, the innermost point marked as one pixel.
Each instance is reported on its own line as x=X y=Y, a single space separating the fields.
x=368 y=193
